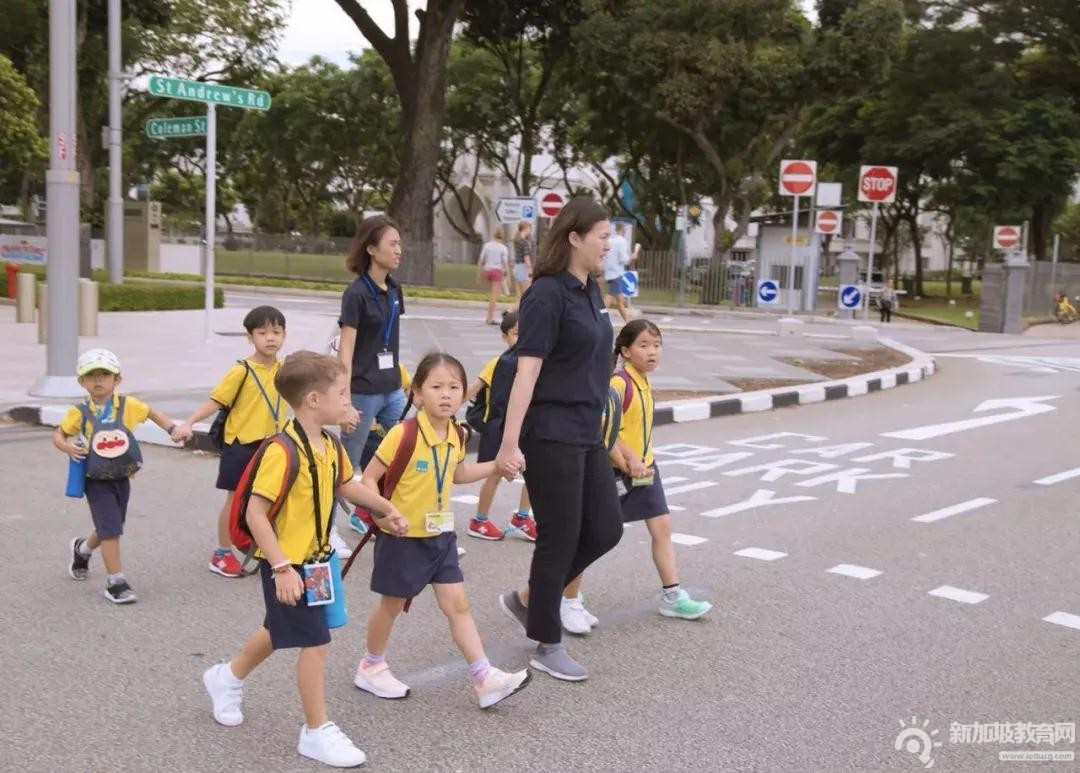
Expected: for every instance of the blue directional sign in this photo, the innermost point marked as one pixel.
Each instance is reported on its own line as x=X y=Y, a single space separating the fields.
x=768 y=291
x=849 y=297
x=629 y=284
x=528 y=212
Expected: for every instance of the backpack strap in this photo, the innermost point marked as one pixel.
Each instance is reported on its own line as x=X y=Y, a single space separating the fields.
x=401 y=458
x=628 y=389
x=612 y=419
x=247 y=370
x=292 y=470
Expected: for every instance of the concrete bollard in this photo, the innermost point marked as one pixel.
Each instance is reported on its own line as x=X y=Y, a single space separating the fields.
x=864 y=334
x=88 y=307
x=789 y=326
x=42 y=313
x=24 y=297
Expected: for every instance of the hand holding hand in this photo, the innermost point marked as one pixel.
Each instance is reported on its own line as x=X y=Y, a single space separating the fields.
x=182 y=433
x=510 y=462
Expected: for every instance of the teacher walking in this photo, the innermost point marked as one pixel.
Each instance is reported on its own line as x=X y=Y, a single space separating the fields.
x=370 y=323
x=553 y=422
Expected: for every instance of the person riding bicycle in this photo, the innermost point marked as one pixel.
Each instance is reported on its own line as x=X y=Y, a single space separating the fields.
x=1064 y=310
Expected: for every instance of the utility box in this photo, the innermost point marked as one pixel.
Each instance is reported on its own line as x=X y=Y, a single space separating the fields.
x=142 y=235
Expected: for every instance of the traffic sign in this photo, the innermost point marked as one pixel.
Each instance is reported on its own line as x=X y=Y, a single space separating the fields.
x=551 y=203
x=877 y=184
x=828 y=222
x=514 y=209
x=163 y=128
x=849 y=297
x=797 y=178
x=1006 y=237
x=768 y=291
x=629 y=284
x=210 y=93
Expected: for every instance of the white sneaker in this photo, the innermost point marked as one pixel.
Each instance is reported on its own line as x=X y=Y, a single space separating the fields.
x=226 y=694
x=592 y=619
x=340 y=546
x=460 y=551
x=330 y=746
x=573 y=617
x=499 y=684
x=378 y=681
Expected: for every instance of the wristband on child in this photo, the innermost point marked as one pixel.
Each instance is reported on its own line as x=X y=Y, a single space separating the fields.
x=281 y=568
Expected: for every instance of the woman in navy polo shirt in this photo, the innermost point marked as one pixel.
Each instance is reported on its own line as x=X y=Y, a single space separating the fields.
x=552 y=426
x=370 y=322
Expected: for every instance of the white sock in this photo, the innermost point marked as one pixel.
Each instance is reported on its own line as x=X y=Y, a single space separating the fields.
x=230 y=678
x=115 y=578
x=85 y=550
x=671 y=594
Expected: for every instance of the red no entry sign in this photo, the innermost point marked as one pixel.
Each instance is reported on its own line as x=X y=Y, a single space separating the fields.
x=828 y=222
x=551 y=203
x=1006 y=236
x=797 y=177
x=877 y=184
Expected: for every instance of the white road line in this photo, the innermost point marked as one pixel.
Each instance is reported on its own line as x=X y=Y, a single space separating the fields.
x=690 y=487
x=466 y=499
x=687 y=539
x=852 y=570
x=676 y=508
x=1050 y=480
x=675 y=480
x=946 y=512
x=761 y=554
x=958 y=594
x=1065 y=619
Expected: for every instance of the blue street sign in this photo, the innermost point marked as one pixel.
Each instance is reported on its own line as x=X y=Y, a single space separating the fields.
x=768 y=291
x=849 y=297
x=527 y=212
x=629 y=284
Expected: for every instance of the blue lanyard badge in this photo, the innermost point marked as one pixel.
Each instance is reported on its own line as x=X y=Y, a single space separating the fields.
x=440 y=474
x=391 y=310
x=106 y=411
x=275 y=410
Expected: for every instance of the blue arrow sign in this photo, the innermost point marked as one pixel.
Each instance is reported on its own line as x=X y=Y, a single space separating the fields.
x=768 y=291
x=850 y=297
x=629 y=284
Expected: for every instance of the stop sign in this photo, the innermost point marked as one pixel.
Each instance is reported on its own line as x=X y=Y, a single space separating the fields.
x=797 y=177
x=828 y=222
x=1006 y=236
x=551 y=203
x=877 y=184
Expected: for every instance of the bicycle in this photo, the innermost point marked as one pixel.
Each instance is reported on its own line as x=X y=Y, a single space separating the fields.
x=1065 y=313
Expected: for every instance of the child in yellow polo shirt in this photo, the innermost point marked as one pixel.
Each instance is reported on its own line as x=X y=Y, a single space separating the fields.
x=316 y=388
x=98 y=432
x=641 y=492
x=256 y=412
x=426 y=554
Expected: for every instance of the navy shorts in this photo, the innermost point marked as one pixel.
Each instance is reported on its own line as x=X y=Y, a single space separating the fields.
x=614 y=286
x=404 y=566
x=643 y=502
x=299 y=626
x=108 y=500
x=234 y=460
x=490 y=441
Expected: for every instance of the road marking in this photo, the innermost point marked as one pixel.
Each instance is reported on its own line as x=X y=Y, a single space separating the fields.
x=1065 y=619
x=687 y=539
x=852 y=570
x=946 y=512
x=690 y=487
x=466 y=499
x=675 y=480
x=761 y=554
x=760 y=498
x=1050 y=480
x=958 y=594
x=676 y=508
x=1022 y=407
x=13 y=517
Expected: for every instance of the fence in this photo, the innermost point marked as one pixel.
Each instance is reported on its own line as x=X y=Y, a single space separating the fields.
x=705 y=280
x=1043 y=281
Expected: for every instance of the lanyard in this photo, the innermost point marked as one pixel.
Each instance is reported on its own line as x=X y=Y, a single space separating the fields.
x=391 y=310
x=275 y=411
x=321 y=547
x=440 y=473
x=646 y=422
x=106 y=411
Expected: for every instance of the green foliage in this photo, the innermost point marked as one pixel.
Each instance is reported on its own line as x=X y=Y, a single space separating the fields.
x=21 y=143
x=150 y=297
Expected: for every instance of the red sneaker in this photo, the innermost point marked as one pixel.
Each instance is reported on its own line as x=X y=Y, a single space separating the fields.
x=525 y=525
x=226 y=565
x=484 y=530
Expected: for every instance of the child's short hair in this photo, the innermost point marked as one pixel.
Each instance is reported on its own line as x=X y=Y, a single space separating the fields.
x=261 y=316
x=509 y=322
x=304 y=372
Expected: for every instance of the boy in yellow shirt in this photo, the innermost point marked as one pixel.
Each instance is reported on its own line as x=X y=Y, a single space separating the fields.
x=316 y=388
x=99 y=432
x=255 y=412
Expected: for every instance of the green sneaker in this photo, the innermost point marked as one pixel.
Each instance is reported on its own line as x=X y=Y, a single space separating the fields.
x=683 y=606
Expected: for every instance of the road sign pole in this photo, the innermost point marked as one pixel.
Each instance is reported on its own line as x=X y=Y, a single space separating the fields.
x=794 y=249
x=115 y=221
x=1053 y=262
x=870 y=259
x=211 y=212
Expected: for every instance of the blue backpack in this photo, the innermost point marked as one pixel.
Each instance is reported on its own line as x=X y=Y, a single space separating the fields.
x=114 y=453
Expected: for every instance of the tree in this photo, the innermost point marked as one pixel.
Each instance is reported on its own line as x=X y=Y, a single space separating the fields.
x=21 y=144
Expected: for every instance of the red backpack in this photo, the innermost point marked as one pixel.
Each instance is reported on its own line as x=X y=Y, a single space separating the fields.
x=239 y=532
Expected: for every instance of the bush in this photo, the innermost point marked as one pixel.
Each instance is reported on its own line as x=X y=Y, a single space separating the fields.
x=148 y=297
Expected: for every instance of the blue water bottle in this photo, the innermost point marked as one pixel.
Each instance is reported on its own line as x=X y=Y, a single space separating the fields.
x=337 y=614
x=76 y=479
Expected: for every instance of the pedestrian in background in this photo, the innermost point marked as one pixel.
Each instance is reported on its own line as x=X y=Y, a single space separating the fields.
x=614 y=264
x=523 y=259
x=493 y=267
x=887 y=301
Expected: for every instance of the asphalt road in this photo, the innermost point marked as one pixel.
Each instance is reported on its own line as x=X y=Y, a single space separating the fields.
x=798 y=668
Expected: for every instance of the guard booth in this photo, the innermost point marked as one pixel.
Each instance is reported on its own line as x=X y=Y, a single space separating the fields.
x=774 y=262
x=142 y=235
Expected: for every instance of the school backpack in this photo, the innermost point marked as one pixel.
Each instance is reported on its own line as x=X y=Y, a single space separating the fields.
x=216 y=433
x=611 y=419
x=239 y=533
x=476 y=413
x=114 y=453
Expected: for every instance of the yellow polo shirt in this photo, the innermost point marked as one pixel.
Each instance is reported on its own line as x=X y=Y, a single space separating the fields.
x=135 y=413
x=250 y=418
x=487 y=375
x=416 y=494
x=295 y=522
x=637 y=420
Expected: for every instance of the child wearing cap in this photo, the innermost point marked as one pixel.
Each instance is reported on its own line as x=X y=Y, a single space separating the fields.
x=99 y=431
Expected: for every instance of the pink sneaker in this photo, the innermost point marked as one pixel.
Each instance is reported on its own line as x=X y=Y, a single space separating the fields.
x=499 y=684
x=378 y=681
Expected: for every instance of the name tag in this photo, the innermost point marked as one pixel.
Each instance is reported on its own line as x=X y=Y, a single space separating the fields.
x=318 y=588
x=439 y=523
x=386 y=361
x=646 y=480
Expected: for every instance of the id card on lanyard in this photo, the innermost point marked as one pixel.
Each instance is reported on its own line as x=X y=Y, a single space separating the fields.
x=386 y=357
x=441 y=521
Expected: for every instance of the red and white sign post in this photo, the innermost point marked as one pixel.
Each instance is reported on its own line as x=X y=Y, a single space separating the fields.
x=1006 y=237
x=828 y=222
x=551 y=203
x=877 y=185
x=797 y=178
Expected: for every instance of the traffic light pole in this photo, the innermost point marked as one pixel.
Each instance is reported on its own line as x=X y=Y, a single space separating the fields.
x=115 y=220
x=211 y=212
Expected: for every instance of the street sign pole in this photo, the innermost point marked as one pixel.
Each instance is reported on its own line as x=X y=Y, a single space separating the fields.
x=870 y=259
x=115 y=220
x=794 y=249
x=211 y=212
x=62 y=215
x=1053 y=262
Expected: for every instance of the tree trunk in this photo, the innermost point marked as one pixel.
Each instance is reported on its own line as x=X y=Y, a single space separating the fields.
x=916 y=246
